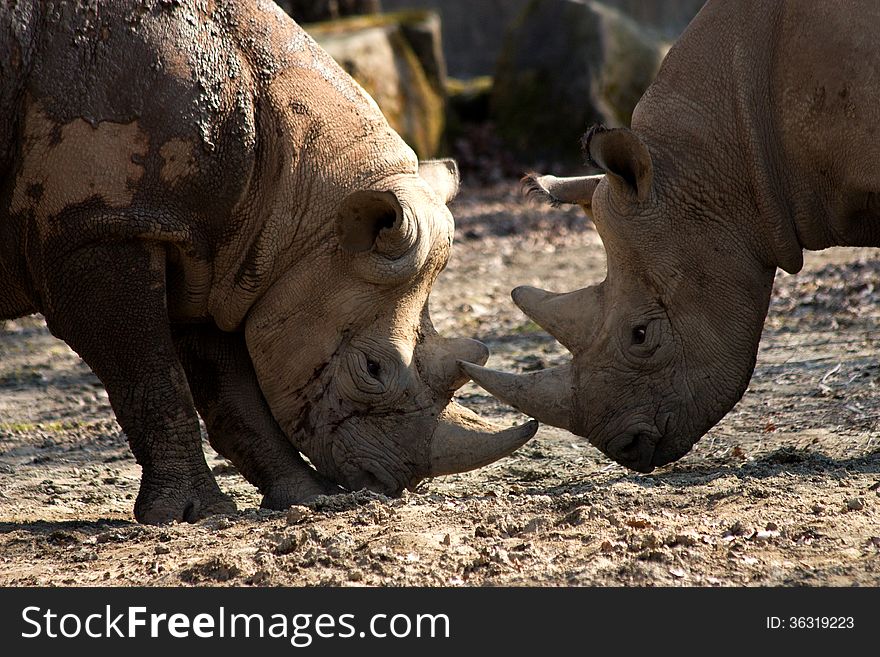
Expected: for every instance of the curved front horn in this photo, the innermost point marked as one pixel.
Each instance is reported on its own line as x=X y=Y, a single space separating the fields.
x=464 y=441
x=545 y=394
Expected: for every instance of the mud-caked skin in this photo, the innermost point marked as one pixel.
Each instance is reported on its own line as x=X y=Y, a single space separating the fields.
x=220 y=222
x=758 y=139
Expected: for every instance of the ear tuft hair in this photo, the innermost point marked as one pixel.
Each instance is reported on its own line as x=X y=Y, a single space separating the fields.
x=595 y=129
x=531 y=188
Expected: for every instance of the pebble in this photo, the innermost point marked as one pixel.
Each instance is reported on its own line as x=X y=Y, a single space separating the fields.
x=296 y=514
x=535 y=525
x=765 y=535
x=855 y=504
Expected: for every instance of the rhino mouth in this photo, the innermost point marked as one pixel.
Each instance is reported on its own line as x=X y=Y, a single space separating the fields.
x=375 y=479
x=636 y=450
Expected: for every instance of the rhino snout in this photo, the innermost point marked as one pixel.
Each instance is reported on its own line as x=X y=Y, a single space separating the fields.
x=635 y=449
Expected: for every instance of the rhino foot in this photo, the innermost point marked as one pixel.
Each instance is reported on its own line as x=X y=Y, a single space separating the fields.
x=283 y=494
x=158 y=505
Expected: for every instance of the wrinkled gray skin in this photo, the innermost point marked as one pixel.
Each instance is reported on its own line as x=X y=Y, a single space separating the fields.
x=218 y=219
x=757 y=140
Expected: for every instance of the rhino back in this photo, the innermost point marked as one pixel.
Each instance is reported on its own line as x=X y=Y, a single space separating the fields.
x=157 y=89
x=141 y=113
x=827 y=108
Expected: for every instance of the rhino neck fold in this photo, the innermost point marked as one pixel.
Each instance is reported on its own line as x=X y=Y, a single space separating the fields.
x=764 y=170
x=724 y=127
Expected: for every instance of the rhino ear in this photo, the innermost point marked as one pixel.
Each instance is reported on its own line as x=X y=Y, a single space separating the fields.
x=623 y=156
x=363 y=216
x=441 y=176
x=562 y=191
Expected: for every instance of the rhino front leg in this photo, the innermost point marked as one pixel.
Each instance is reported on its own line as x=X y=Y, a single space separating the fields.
x=240 y=425
x=107 y=301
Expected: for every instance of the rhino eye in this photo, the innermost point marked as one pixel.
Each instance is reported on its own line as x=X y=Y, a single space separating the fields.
x=373 y=368
x=639 y=334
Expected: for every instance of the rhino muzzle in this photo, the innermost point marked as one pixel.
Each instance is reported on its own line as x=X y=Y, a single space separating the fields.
x=387 y=452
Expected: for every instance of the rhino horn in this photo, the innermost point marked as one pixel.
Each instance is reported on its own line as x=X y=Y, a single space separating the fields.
x=564 y=316
x=562 y=191
x=442 y=176
x=464 y=441
x=545 y=394
x=439 y=362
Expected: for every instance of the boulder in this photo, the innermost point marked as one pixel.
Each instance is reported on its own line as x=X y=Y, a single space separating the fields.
x=667 y=18
x=311 y=11
x=473 y=31
x=565 y=65
x=397 y=58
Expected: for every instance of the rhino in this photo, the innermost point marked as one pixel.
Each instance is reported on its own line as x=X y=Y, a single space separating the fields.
x=758 y=139
x=221 y=223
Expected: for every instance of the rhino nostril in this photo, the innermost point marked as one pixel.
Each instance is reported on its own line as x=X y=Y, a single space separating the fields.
x=635 y=450
x=627 y=448
x=377 y=482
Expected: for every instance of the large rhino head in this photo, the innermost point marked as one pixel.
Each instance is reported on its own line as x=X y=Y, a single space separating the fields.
x=666 y=344
x=345 y=351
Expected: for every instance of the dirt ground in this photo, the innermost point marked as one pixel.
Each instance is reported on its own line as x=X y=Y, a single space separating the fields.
x=784 y=491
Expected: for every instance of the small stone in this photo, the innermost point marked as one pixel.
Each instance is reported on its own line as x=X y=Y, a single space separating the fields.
x=677 y=572
x=739 y=529
x=577 y=517
x=291 y=543
x=771 y=527
x=296 y=514
x=535 y=525
x=855 y=504
x=163 y=549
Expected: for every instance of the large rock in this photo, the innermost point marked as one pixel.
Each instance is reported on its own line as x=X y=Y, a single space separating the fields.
x=397 y=58
x=473 y=30
x=668 y=18
x=566 y=65
x=311 y=11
